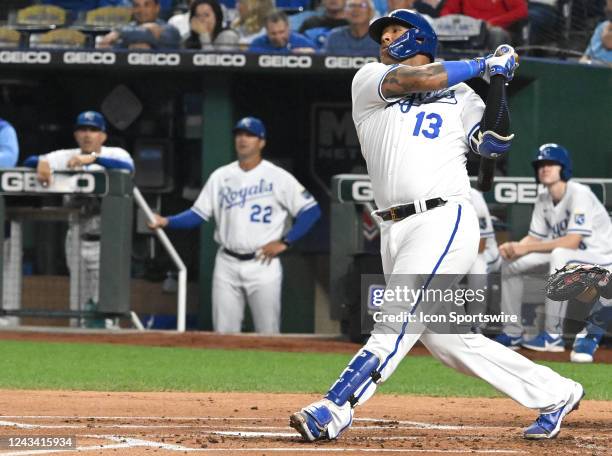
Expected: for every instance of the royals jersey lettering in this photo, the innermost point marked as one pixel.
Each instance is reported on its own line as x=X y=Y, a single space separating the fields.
x=251 y=208
x=580 y=212
x=415 y=147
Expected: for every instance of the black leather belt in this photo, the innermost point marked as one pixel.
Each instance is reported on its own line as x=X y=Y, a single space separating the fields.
x=240 y=256
x=90 y=237
x=397 y=213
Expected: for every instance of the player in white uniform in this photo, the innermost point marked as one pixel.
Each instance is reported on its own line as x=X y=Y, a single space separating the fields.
x=414 y=135
x=488 y=259
x=250 y=201
x=91 y=155
x=569 y=225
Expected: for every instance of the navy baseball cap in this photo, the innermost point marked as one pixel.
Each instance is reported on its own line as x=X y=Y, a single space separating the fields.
x=252 y=125
x=91 y=119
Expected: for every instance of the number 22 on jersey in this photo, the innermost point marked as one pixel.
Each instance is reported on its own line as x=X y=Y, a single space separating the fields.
x=261 y=214
x=427 y=125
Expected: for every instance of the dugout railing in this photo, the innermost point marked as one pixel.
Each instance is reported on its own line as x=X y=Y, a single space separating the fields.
x=31 y=202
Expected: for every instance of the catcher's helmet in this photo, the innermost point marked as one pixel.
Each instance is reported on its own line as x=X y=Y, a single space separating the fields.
x=423 y=39
x=556 y=153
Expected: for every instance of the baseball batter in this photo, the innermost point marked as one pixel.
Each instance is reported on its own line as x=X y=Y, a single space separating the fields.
x=488 y=259
x=250 y=201
x=415 y=121
x=569 y=225
x=91 y=155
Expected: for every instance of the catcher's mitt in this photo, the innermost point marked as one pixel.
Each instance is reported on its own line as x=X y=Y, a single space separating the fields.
x=579 y=281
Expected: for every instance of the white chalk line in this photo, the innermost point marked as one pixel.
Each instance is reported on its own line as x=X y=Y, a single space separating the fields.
x=389 y=423
x=251 y=418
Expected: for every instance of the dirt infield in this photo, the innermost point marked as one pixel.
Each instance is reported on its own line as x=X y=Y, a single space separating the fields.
x=256 y=424
x=239 y=342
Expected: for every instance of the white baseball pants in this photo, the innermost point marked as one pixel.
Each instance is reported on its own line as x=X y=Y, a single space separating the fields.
x=236 y=282
x=444 y=241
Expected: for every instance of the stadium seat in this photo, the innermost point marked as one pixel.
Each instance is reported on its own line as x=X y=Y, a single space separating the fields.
x=61 y=38
x=9 y=38
x=109 y=17
x=41 y=16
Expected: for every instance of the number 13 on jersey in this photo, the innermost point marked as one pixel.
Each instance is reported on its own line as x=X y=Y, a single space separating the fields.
x=432 y=124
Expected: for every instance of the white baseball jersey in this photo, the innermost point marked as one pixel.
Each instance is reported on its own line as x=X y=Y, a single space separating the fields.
x=486 y=224
x=580 y=212
x=58 y=160
x=415 y=148
x=250 y=208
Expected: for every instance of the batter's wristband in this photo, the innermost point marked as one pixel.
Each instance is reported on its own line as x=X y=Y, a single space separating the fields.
x=462 y=70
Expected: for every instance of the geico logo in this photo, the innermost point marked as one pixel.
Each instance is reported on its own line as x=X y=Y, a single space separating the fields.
x=25 y=57
x=19 y=182
x=24 y=182
x=285 y=61
x=154 y=59
x=511 y=192
x=229 y=60
x=83 y=183
x=362 y=191
x=347 y=62
x=96 y=58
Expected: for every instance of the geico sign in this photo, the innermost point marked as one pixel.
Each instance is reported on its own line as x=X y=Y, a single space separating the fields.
x=227 y=60
x=516 y=192
x=27 y=182
x=158 y=59
x=347 y=62
x=95 y=58
x=285 y=61
x=30 y=57
x=362 y=191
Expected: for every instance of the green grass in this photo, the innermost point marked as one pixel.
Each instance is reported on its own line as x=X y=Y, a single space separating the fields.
x=104 y=367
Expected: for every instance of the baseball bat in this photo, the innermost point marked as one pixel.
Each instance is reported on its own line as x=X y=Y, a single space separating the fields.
x=486 y=174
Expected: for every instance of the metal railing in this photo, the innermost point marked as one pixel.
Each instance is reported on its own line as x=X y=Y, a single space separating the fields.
x=181 y=307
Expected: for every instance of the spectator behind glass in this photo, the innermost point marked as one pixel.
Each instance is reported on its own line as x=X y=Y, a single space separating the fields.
x=599 y=51
x=426 y=8
x=279 y=38
x=318 y=27
x=146 y=31
x=9 y=146
x=251 y=19
x=501 y=17
x=354 y=39
x=543 y=19
x=206 y=21
x=181 y=22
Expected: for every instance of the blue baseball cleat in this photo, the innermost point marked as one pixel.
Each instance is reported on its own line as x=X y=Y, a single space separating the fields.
x=548 y=425
x=513 y=343
x=544 y=342
x=584 y=348
x=311 y=422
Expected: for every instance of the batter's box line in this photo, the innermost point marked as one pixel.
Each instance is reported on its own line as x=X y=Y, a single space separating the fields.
x=418 y=424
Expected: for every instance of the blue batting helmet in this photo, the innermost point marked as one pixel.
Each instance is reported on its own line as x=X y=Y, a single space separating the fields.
x=423 y=39
x=555 y=153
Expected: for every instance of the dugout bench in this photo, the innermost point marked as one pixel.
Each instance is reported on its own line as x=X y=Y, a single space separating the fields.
x=354 y=246
x=114 y=188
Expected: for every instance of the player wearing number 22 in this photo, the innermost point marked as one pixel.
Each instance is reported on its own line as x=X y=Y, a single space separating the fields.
x=416 y=121
x=250 y=201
